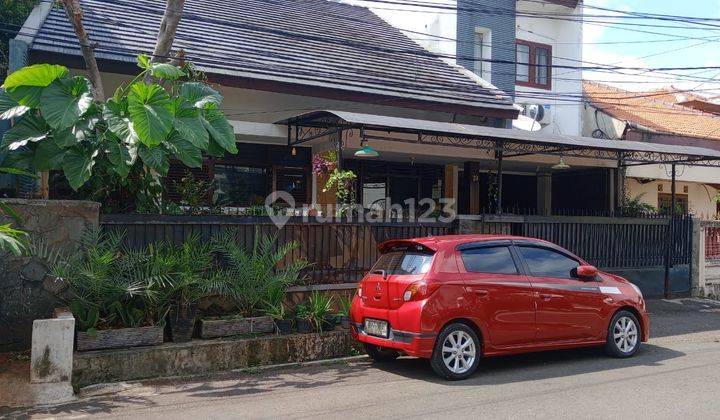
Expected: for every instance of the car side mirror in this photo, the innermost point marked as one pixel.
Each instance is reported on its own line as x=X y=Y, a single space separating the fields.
x=585 y=272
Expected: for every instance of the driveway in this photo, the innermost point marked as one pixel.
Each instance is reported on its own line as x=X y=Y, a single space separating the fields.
x=676 y=375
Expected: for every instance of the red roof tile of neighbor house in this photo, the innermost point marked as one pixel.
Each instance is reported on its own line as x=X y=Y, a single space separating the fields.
x=687 y=99
x=676 y=96
x=653 y=110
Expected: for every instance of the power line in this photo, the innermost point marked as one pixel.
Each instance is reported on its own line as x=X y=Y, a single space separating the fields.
x=599 y=68
x=394 y=84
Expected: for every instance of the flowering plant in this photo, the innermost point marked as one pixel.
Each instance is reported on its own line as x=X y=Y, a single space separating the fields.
x=323 y=165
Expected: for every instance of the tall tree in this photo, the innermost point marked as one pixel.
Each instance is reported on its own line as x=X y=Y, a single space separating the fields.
x=75 y=15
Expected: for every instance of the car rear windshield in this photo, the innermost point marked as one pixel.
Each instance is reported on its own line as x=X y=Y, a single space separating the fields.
x=404 y=262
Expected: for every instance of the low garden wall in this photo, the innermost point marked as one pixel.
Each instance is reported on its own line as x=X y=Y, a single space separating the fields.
x=206 y=356
x=26 y=292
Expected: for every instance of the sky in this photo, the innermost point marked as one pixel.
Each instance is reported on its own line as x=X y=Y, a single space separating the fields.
x=681 y=53
x=675 y=53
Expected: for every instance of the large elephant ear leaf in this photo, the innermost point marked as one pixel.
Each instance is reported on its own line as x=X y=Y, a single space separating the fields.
x=121 y=155
x=166 y=71
x=40 y=75
x=200 y=94
x=9 y=107
x=29 y=129
x=77 y=166
x=184 y=150
x=48 y=155
x=149 y=107
x=115 y=113
x=65 y=100
x=188 y=122
x=26 y=84
x=154 y=158
x=220 y=129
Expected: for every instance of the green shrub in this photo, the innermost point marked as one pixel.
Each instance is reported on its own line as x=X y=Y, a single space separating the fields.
x=253 y=274
x=319 y=306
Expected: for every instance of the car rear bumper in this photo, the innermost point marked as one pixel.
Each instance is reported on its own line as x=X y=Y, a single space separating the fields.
x=411 y=343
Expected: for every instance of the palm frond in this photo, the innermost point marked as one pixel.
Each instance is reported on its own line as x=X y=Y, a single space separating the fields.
x=12 y=240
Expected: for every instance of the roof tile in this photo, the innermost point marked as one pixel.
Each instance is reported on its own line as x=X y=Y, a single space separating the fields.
x=310 y=42
x=652 y=110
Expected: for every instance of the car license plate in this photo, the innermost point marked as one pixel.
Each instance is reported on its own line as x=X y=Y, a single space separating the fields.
x=376 y=327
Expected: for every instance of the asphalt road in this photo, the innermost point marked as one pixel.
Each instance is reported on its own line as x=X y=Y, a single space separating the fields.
x=676 y=375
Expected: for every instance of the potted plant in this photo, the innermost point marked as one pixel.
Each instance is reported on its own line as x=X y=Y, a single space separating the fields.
x=320 y=311
x=278 y=313
x=254 y=280
x=344 y=312
x=304 y=319
x=194 y=275
x=275 y=308
x=111 y=293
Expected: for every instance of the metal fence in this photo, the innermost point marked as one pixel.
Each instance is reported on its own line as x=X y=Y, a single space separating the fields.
x=712 y=242
x=340 y=251
x=606 y=242
x=616 y=242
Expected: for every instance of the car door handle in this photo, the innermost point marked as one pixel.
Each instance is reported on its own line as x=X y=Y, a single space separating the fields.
x=482 y=293
x=546 y=296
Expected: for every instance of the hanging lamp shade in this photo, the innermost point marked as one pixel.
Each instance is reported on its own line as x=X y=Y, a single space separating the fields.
x=367 y=152
x=561 y=164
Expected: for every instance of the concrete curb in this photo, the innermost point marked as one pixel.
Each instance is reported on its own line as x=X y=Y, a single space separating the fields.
x=97 y=390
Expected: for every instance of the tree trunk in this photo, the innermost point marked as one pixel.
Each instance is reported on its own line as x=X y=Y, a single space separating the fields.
x=75 y=14
x=168 y=27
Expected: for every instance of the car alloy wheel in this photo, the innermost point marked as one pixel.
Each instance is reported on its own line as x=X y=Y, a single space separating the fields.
x=458 y=352
x=625 y=334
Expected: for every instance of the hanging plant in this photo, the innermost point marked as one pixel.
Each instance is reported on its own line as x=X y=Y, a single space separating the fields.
x=323 y=165
x=343 y=181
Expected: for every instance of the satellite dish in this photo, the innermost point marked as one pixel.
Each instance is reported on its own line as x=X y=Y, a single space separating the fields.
x=534 y=111
x=526 y=124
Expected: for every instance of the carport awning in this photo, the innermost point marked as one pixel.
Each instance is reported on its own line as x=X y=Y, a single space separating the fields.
x=312 y=125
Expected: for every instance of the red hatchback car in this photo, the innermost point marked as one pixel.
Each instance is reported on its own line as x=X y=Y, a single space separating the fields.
x=454 y=299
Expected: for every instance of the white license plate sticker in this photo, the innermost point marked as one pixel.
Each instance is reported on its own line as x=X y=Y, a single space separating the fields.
x=376 y=327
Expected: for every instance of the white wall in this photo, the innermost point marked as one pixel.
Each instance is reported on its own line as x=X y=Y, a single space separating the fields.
x=565 y=37
x=700 y=196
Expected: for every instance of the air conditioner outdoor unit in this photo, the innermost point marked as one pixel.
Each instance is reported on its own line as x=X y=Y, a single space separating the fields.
x=538 y=112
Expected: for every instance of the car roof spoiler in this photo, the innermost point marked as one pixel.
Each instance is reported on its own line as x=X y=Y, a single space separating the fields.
x=407 y=244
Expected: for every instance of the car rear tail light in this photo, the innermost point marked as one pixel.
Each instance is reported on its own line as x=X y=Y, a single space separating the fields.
x=359 y=290
x=416 y=291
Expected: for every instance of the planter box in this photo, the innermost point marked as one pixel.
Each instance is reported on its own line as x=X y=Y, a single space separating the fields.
x=207 y=356
x=214 y=328
x=119 y=338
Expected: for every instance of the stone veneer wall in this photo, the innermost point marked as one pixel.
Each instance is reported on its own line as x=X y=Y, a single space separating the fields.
x=207 y=356
x=26 y=291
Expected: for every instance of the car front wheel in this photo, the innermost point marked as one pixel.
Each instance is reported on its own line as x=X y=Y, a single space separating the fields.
x=457 y=352
x=623 y=338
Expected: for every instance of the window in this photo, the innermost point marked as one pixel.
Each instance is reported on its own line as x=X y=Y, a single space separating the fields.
x=523 y=66
x=241 y=185
x=497 y=260
x=534 y=65
x=293 y=181
x=545 y=262
x=404 y=262
x=665 y=203
x=483 y=52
